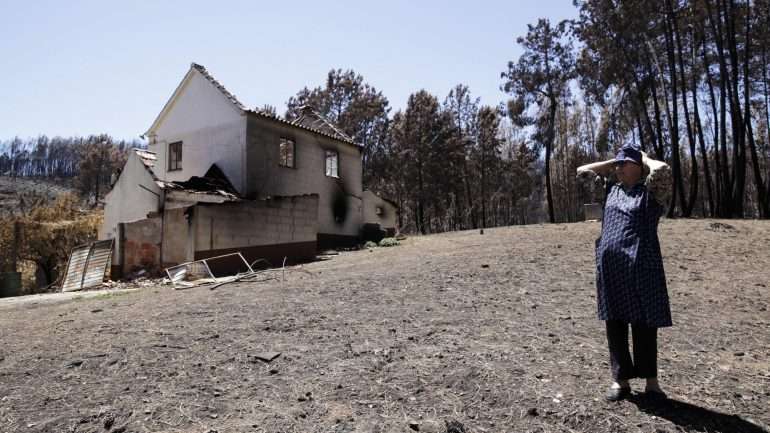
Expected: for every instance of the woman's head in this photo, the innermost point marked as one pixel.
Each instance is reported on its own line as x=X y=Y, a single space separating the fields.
x=628 y=165
x=629 y=173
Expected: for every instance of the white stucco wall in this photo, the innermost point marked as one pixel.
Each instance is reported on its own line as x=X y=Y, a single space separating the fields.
x=212 y=131
x=128 y=201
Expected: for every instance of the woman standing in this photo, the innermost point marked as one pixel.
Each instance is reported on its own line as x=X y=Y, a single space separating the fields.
x=630 y=280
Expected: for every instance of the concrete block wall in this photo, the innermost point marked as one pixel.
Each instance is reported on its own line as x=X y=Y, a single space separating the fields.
x=283 y=220
x=175 y=237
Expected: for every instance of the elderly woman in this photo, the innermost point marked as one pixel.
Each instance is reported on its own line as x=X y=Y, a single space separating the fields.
x=630 y=281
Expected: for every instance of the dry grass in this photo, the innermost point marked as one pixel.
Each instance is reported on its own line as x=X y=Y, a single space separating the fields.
x=47 y=232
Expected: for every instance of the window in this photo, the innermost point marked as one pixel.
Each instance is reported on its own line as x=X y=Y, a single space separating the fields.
x=332 y=160
x=286 y=153
x=175 y=156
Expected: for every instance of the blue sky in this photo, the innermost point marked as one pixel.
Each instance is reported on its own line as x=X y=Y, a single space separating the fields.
x=80 y=67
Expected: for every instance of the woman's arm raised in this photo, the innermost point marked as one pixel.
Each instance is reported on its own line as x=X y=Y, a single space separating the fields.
x=602 y=168
x=659 y=180
x=592 y=178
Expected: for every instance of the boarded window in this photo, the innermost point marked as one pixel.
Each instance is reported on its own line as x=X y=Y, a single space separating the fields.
x=332 y=163
x=175 y=156
x=286 y=153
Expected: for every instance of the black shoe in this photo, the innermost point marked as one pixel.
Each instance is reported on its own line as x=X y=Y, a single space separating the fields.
x=617 y=394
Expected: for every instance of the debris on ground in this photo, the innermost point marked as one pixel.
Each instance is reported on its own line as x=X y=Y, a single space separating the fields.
x=721 y=227
x=198 y=272
x=267 y=357
x=454 y=427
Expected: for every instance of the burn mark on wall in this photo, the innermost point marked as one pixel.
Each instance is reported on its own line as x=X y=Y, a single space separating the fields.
x=340 y=206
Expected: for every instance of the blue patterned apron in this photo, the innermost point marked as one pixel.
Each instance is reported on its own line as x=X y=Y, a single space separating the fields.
x=630 y=281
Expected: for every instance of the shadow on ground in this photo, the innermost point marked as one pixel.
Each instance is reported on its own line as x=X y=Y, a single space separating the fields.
x=694 y=418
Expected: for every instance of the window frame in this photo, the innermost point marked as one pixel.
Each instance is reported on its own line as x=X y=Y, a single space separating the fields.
x=327 y=154
x=281 y=162
x=175 y=164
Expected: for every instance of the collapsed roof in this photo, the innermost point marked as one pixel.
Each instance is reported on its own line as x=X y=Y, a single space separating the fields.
x=212 y=186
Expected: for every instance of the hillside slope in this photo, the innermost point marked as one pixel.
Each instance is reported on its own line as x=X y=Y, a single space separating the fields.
x=11 y=188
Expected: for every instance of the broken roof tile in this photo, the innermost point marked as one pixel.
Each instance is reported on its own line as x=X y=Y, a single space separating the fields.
x=148 y=160
x=310 y=118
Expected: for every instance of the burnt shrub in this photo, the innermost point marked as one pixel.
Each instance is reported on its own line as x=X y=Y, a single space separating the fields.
x=372 y=232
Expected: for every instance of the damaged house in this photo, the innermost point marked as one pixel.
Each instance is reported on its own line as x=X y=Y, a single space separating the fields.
x=218 y=177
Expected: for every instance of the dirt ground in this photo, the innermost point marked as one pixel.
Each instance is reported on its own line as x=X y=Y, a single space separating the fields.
x=458 y=332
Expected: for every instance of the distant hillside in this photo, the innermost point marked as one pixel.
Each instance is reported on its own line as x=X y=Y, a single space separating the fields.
x=14 y=190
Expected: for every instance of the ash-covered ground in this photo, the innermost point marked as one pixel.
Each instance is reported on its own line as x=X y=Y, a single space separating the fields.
x=445 y=333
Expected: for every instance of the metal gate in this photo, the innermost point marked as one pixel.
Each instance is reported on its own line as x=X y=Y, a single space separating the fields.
x=87 y=265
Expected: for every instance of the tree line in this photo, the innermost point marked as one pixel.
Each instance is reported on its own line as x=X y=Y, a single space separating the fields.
x=86 y=163
x=686 y=81
x=448 y=163
x=452 y=163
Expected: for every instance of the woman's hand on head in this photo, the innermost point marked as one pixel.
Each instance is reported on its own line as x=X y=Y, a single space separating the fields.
x=652 y=164
x=660 y=182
